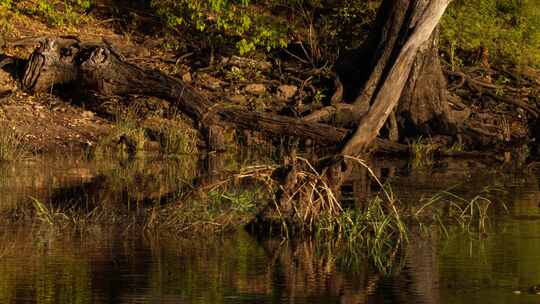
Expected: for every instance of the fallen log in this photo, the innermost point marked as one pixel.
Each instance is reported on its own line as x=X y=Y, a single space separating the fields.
x=99 y=68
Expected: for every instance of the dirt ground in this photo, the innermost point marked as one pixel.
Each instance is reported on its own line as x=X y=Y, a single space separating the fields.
x=49 y=122
x=52 y=122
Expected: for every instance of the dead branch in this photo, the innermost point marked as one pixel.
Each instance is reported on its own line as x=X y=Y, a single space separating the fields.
x=491 y=90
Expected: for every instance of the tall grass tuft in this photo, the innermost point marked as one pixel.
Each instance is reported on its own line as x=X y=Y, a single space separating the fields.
x=472 y=214
x=127 y=137
x=47 y=214
x=422 y=152
x=178 y=141
x=12 y=146
x=375 y=229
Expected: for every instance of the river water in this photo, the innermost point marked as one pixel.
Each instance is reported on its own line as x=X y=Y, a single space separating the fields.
x=113 y=264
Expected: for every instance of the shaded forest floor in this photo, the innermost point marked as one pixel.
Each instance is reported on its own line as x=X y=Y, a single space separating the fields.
x=499 y=103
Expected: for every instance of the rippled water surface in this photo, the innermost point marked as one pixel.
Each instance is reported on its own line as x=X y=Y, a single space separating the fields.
x=112 y=264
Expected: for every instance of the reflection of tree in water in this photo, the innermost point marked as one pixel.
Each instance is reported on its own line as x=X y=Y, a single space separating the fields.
x=86 y=183
x=418 y=282
x=214 y=269
x=305 y=271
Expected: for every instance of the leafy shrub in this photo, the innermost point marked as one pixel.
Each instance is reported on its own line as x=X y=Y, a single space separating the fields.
x=233 y=18
x=5 y=5
x=54 y=12
x=267 y=24
x=349 y=22
x=508 y=29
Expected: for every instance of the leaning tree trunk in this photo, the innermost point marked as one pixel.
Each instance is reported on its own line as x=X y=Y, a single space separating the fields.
x=398 y=64
x=398 y=68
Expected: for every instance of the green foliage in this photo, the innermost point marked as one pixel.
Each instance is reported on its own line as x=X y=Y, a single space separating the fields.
x=54 y=12
x=234 y=18
x=509 y=29
x=349 y=22
x=5 y=5
x=267 y=24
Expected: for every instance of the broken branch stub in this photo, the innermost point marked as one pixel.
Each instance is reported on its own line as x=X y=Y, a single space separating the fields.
x=52 y=63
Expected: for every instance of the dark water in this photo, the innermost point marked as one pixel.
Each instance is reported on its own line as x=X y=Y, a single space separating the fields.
x=112 y=264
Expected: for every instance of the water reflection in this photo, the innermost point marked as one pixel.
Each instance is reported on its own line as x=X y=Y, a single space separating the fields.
x=102 y=268
x=113 y=264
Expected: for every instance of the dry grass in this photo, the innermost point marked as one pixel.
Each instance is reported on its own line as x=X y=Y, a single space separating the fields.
x=12 y=145
x=312 y=196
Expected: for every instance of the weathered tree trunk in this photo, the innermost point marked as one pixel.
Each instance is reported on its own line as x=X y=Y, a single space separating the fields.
x=397 y=52
x=423 y=108
x=398 y=64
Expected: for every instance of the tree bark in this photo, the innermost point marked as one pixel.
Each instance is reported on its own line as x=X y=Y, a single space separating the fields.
x=404 y=28
x=398 y=64
x=423 y=108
